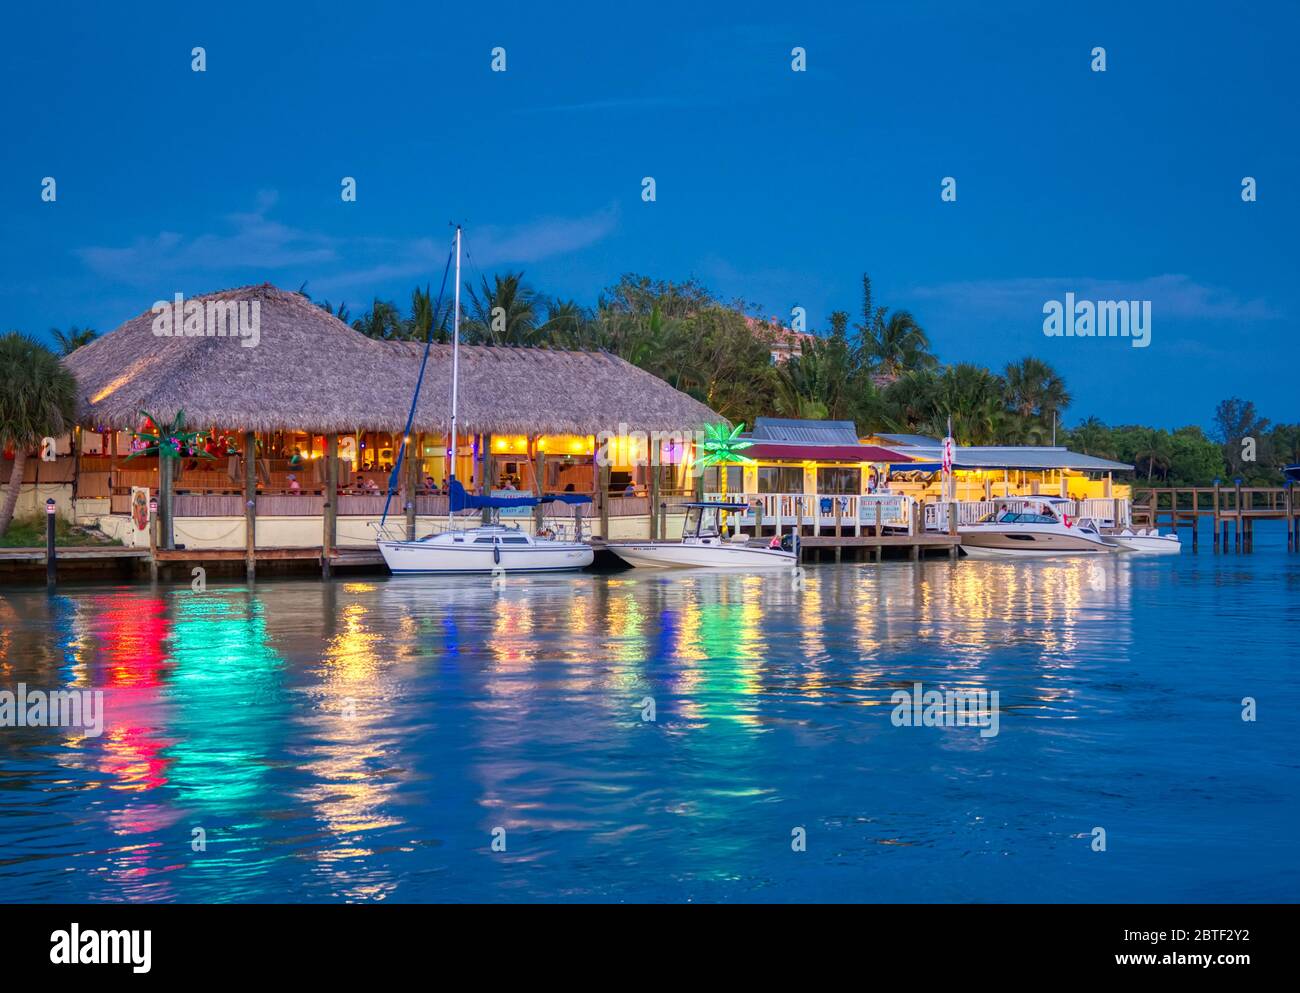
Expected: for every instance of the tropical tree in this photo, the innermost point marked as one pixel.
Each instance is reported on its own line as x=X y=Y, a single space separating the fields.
x=891 y=343
x=73 y=339
x=503 y=312
x=38 y=399
x=382 y=321
x=1091 y=437
x=1155 y=453
x=1235 y=421
x=972 y=397
x=1035 y=390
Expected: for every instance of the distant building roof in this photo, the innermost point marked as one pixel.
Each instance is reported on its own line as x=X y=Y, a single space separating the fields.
x=916 y=440
x=1016 y=457
x=791 y=430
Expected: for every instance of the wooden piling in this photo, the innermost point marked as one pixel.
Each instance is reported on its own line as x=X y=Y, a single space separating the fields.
x=250 y=505
x=604 y=500
x=330 y=509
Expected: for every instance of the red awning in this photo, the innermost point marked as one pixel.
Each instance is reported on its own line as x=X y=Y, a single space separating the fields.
x=769 y=452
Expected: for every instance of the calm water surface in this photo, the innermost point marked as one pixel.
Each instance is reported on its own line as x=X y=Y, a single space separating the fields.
x=361 y=740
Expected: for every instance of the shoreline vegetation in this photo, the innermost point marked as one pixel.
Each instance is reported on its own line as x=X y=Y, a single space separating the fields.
x=875 y=368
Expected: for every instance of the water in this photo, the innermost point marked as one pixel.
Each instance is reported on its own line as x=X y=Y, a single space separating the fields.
x=362 y=740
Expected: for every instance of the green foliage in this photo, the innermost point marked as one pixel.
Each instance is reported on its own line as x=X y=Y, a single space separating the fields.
x=168 y=439
x=38 y=396
x=29 y=532
x=722 y=445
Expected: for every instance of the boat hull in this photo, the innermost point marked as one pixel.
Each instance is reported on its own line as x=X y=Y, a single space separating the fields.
x=442 y=559
x=1029 y=543
x=1147 y=544
x=675 y=555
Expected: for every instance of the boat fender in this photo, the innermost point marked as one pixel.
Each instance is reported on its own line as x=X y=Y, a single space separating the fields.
x=496 y=552
x=1065 y=519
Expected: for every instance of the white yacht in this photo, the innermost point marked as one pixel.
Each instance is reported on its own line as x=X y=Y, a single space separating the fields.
x=1040 y=528
x=704 y=546
x=492 y=548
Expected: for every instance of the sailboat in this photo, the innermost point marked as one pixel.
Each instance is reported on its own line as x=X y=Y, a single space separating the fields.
x=490 y=548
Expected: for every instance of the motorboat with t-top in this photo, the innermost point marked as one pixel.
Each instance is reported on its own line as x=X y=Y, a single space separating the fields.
x=1038 y=527
x=704 y=545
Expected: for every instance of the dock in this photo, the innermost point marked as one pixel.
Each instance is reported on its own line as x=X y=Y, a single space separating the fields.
x=1232 y=509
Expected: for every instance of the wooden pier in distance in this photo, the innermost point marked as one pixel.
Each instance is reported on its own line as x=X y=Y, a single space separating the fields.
x=1232 y=509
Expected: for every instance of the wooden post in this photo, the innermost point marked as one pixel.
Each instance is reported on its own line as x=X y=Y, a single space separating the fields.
x=654 y=500
x=839 y=527
x=663 y=519
x=489 y=474
x=330 y=510
x=166 y=467
x=604 y=500
x=250 y=504
x=952 y=529
x=1236 y=528
x=153 y=543
x=412 y=484
x=758 y=518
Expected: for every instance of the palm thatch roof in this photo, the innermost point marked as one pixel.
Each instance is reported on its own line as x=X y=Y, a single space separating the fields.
x=310 y=371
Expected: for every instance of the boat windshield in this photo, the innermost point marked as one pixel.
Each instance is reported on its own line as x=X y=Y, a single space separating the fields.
x=702 y=522
x=1026 y=517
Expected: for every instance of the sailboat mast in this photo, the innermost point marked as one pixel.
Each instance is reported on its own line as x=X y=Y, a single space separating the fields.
x=455 y=374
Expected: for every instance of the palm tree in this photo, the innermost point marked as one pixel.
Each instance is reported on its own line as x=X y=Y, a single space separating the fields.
x=1154 y=452
x=1091 y=437
x=501 y=313
x=891 y=343
x=1035 y=390
x=382 y=321
x=38 y=399
x=74 y=339
x=972 y=397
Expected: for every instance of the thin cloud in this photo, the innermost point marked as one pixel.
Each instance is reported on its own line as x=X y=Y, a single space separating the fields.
x=257 y=246
x=253 y=241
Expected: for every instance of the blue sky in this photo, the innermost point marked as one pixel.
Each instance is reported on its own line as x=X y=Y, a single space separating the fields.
x=775 y=186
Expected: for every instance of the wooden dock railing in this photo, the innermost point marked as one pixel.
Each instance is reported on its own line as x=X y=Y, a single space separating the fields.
x=1232 y=509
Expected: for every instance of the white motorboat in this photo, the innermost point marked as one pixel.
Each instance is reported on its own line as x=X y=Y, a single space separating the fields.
x=1145 y=541
x=1040 y=528
x=490 y=549
x=704 y=546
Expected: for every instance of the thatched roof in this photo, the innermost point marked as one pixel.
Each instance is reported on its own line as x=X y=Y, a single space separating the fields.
x=310 y=371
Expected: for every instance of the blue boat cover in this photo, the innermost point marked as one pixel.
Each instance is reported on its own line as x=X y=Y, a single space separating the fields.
x=462 y=500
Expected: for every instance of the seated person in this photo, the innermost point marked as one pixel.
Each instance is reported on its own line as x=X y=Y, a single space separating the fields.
x=294 y=488
x=568 y=487
x=509 y=484
x=295 y=460
x=371 y=486
x=630 y=490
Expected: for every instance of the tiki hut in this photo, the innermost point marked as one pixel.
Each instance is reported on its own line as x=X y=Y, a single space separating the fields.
x=309 y=370
x=299 y=414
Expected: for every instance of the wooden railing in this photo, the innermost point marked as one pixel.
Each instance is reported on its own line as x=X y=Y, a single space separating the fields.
x=824 y=511
x=1110 y=511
